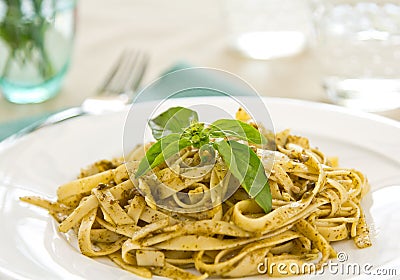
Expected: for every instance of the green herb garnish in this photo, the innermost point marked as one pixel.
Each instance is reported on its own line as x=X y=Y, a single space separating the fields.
x=179 y=128
x=174 y=120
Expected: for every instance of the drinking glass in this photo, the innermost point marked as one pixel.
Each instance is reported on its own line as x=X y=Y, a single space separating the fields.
x=267 y=29
x=359 y=51
x=36 y=40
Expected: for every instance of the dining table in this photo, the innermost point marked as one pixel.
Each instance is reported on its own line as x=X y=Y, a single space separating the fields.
x=172 y=33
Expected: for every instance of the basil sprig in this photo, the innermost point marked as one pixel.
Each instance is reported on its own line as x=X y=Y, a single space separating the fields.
x=237 y=129
x=178 y=128
x=174 y=120
x=160 y=151
x=245 y=165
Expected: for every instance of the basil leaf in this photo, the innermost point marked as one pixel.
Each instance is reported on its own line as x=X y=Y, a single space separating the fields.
x=174 y=120
x=161 y=151
x=238 y=129
x=245 y=165
x=169 y=150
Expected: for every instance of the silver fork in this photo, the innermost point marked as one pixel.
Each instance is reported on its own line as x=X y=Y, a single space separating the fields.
x=114 y=94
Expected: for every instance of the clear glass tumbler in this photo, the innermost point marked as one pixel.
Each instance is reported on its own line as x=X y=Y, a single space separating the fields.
x=267 y=29
x=36 y=40
x=359 y=50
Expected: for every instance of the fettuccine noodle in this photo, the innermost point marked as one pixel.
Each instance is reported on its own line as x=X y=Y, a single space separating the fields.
x=315 y=203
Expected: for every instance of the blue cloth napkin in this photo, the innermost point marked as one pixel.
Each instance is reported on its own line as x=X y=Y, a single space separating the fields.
x=195 y=81
x=9 y=128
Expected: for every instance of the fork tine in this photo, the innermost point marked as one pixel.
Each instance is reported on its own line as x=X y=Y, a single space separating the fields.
x=126 y=71
x=121 y=75
x=131 y=70
x=110 y=76
x=126 y=74
x=138 y=70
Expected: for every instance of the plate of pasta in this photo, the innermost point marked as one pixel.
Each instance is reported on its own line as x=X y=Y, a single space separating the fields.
x=204 y=200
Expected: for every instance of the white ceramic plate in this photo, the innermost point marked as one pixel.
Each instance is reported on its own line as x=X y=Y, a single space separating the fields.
x=31 y=247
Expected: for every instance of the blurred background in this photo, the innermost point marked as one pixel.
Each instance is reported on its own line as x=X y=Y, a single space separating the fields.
x=196 y=33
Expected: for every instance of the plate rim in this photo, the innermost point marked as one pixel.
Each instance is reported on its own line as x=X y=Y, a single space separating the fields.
x=11 y=140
